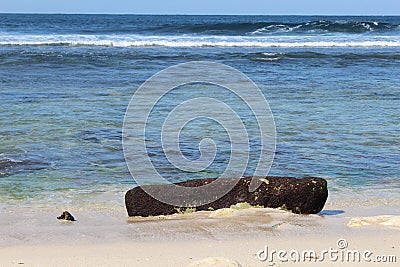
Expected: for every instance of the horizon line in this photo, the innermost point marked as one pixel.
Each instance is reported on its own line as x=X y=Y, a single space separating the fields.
x=196 y=14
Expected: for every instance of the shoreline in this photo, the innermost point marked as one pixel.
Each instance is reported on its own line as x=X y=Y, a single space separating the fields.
x=114 y=239
x=183 y=253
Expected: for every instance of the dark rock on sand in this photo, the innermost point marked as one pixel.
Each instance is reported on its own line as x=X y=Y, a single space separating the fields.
x=302 y=196
x=66 y=216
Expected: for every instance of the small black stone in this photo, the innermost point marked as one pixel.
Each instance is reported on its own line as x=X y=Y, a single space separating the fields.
x=66 y=216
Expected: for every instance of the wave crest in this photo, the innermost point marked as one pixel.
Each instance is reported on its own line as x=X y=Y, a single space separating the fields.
x=262 y=28
x=182 y=41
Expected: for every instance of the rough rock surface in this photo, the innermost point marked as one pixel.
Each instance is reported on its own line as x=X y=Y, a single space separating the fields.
x=302 y=196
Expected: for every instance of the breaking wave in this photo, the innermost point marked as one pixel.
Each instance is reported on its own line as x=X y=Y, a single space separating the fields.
x=193 y=41
x=260 y=28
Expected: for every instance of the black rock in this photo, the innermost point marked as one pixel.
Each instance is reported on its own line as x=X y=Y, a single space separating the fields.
x=66 y=216
x=302 y=196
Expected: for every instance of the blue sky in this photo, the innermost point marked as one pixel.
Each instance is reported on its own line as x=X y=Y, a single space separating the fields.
x=307 y=7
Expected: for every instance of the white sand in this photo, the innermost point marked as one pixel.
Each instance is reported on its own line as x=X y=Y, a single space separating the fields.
x=209 y=238
x=184 y=253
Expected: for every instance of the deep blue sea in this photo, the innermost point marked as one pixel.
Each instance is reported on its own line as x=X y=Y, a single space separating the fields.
x=333 y=85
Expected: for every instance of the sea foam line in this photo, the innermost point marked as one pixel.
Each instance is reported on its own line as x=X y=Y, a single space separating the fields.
x=207 y=44
x=182 y=41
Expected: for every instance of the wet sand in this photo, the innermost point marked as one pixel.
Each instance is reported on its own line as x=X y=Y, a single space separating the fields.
x=113 y=239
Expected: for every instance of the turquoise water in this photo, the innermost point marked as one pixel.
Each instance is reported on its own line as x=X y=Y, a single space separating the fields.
x=66 y=80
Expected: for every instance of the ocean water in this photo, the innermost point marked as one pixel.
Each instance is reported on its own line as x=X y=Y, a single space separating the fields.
x=66 y=80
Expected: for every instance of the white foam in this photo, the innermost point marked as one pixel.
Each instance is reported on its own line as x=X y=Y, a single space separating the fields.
x=198 y=41
x=210 y=44
x=225 y=212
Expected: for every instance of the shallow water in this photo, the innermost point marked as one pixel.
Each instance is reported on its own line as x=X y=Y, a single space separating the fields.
x=332 y=85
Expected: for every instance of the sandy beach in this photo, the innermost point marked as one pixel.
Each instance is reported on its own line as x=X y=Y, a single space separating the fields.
x=93 y=105
x=243 y=236
x=185 y=253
